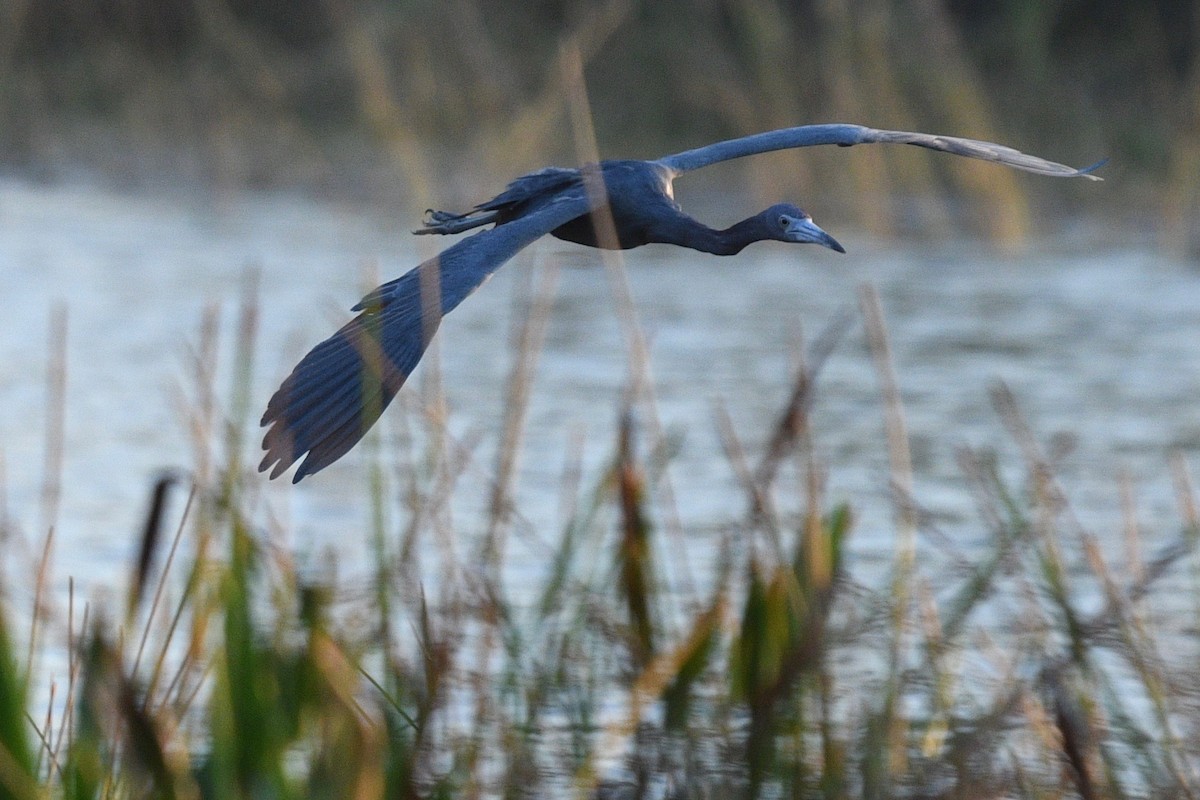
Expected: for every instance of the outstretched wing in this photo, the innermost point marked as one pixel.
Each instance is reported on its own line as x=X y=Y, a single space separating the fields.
x=337 y=391
x=847 y=135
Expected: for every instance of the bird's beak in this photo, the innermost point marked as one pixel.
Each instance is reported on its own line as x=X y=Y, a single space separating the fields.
x=805 y=230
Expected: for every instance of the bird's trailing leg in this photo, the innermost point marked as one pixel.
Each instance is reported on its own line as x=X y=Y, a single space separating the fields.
x=446 y=222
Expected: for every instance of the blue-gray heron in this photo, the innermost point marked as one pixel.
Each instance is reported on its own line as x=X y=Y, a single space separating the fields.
x=338 y=391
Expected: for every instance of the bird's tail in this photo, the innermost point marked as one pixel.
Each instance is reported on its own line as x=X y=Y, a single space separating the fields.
x=445 y=222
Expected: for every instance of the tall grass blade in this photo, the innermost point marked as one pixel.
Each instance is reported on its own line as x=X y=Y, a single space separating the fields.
x=18 y=776
x=150 y=540
x=692 y=658
x=634 y=562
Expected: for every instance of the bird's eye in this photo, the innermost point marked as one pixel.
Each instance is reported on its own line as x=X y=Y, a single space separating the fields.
x=783 y=222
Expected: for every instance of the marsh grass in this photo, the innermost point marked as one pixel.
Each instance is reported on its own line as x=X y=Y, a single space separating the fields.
x=1030 y=666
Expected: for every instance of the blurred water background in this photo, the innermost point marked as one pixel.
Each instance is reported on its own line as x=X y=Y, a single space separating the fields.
x=1099 y=346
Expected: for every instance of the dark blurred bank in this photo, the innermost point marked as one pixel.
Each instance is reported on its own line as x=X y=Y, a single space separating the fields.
x=417 y=101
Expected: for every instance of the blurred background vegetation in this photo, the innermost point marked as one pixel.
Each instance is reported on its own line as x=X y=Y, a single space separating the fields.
x=398 y=100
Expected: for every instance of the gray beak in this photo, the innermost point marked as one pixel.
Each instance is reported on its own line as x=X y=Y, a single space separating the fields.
x=805 y=230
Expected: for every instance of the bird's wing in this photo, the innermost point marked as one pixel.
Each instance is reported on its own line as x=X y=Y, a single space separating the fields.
x=847 y=135
x=337 y=391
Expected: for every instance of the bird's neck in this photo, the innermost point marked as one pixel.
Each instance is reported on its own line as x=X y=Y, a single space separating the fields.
x=728 y=242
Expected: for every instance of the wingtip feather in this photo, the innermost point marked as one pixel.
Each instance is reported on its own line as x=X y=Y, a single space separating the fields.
x=1086 y=172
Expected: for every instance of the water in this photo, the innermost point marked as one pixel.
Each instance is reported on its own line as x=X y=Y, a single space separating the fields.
x=1101 y=343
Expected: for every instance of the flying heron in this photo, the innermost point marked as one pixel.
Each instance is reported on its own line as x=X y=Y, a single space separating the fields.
x=338 y=391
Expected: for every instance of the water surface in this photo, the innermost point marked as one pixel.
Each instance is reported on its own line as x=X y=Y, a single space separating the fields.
x=1101 y=343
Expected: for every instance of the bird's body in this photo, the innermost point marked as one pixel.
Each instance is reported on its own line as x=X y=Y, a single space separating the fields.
x=633 y=223
x=623 y=181
x=342 y=386
x=637 y=207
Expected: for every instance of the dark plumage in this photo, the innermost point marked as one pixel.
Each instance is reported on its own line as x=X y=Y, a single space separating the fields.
x=338 y=391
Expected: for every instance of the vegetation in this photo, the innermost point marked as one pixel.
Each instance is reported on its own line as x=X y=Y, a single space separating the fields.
x=1030 y=669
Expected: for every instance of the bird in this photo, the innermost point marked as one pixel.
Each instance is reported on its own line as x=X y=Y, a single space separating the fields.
x=342 y=386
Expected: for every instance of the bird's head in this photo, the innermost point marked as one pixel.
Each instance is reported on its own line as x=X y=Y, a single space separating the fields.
x=788 y=223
